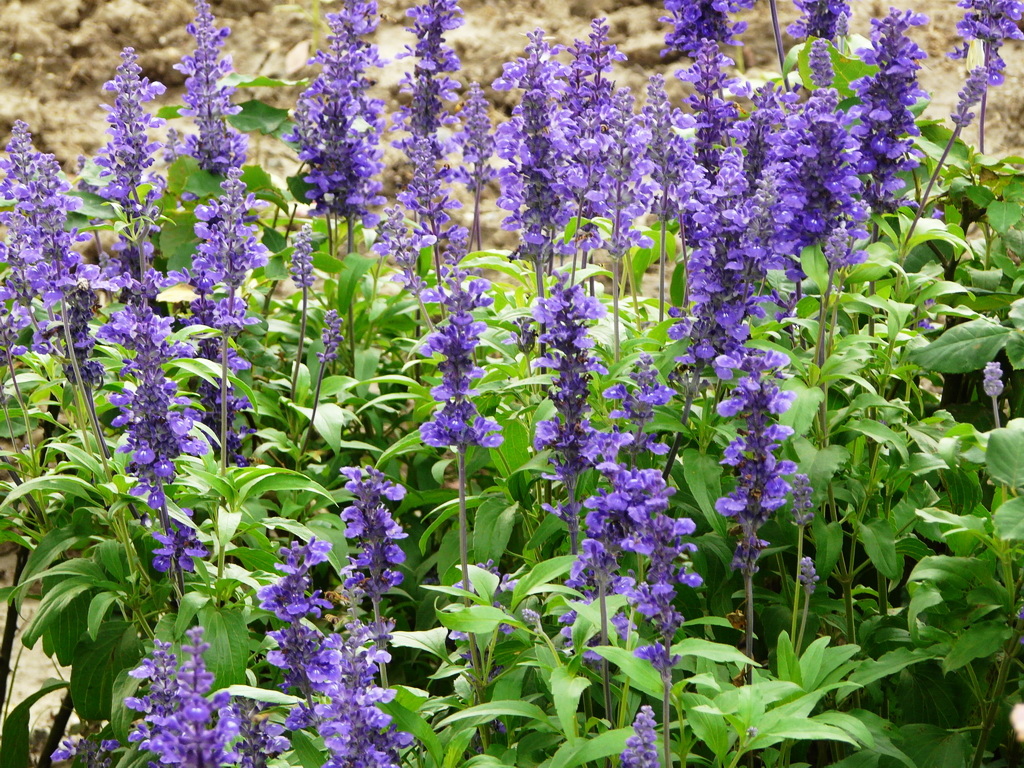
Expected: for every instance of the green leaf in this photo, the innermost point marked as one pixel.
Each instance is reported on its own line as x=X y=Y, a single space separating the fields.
x=640 y=672
x=262 y=694
x=577 y=753
x=307 y=750
x=259 y=116
x=963 y=348
x=800 y=729
x=716 y=652
x=1009 y=519
x=14 y=747
x=880 y=544
x=703 y=475
x=1015 y=351
x=97 y=664
x=121 y=717
x=492 y=528
x=430 y=640
x=1002 y=215
x=239 y=80
x=932 y=747
x=228 y=636
x=477 y=619
x=492 y=709
x=889 y=664
x=979 y=641
x=406 y=720
x=99 y=607
x=566 y=689
x=1004 y=457
x=178 y=239
x=542 y=574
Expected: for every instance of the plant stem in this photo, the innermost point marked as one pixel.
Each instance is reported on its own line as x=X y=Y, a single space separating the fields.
x=10 y=626
x=666 y=717
x=302 y=340
x=316 y=402
x=803 y=621
x=931 y=182
x=796 y=583
x=616 y=266
x=748 y=629
x=463 y=521
x=606 y=678
x=379 y=623
x=60 y=724
x=1010 y=651
x=773 y=4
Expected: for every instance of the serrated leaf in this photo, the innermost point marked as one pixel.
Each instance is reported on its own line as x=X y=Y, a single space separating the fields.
x=259 y=116
x=1003 y=215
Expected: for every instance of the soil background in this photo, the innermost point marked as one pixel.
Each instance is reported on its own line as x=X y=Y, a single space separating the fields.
x=55 y=56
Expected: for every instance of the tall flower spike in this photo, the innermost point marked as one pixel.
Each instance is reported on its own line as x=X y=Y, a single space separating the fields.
x=87 y=752
x=757 y=133
x=824 y=19
x=457 y=424
x=193 y=730
x=126 y=160
x=969 y=96
x=713 y=113
x=641 y=751
x=218 y=146
x=761 y=488
x=375 y=531
x=338 y=125
x=159 y=420
x=818 y=186
x=302 y=258
x=476 y=141
x=624 y=191
x=638 y=403
x=533 y=188
x=886 y=125
x=587 y=99
x=259 y=738
x=992 y=22
x=695 y=22
x=565 y=316
x=394 y=241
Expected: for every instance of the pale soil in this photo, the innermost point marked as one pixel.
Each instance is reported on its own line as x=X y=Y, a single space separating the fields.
x=56 y=54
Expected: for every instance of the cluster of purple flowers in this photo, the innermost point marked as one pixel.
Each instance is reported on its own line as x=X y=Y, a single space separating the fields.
x=641 y=751
x=761 y=486
x=697 y=22
x=638 y=403
x=886 y=125
x=823 y=19
x=338 y=125
x=375 y=531
x=181 y=724
x=534 y=143
x=565 y=316
x=458 y=424
x=334 y=674
x=87 y=752
x=126 y=160
x=158 y=431
x=992 y=22
x=217 y=147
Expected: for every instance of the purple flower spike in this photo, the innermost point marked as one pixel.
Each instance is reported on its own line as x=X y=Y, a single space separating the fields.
x=641 y=751
x=696 y=22
x=818 y=187
x=565 y=316
x=674 y=171
x=182 y=725
x=126 y=160
x=638 y=403
x=375 y=531
x=476 y=141
x=180 y=548
x=821 y=64
x=886 y=125
x=970 y=95
x=259 y=737
x=714 y=114
x=302 y=258
x=87 y=752
x=457 y=424
x=824 y=19
x=993 y=383
x=159 y=421
x=803 y=505
x=761 y=488
x=992 y=22
x=533 y=185
x=808 y=576
x=331 y=337
x=218 y=146
x=337 y=124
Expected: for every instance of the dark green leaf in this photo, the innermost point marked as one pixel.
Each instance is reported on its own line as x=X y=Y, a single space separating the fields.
x=97 y=664
x=1002 y=215
x=1005 y=455
x=14 y=749
x=228 y=636
x=880 y=544
x=963 y=348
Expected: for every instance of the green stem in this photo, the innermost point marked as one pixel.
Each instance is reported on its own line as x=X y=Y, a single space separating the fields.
x=796 y=582
x=302 y=340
